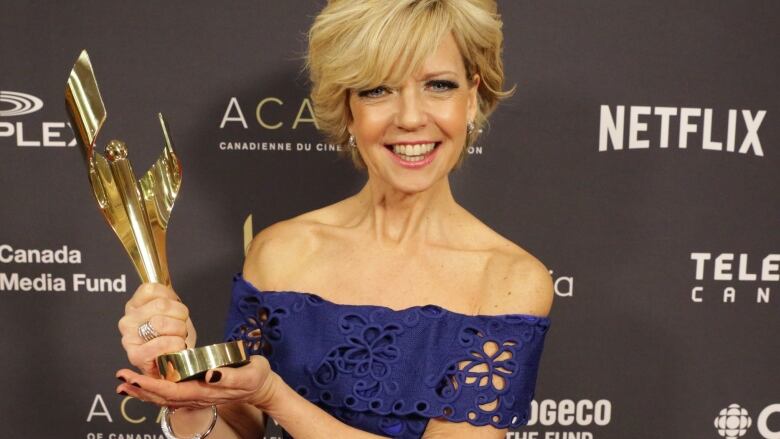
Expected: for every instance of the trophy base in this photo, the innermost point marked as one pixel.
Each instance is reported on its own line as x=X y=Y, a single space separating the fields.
x=193 y=363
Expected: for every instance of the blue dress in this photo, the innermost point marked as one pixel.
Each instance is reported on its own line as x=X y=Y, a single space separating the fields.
x=389 y=371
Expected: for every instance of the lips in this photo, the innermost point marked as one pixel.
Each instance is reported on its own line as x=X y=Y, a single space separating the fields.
x=412 y=152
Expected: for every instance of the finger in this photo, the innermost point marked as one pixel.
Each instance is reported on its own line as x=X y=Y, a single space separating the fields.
x=192 y=334
x=140 y=394
x=134 y=386
x=153 y=348
x=159 y=306
x=159 y=391
x=148 y=291
x=249 y=377
x=144 y=355
x=151 y=397
x=163 y=325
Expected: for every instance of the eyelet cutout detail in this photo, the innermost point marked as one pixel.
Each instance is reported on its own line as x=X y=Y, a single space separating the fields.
x=260 y=328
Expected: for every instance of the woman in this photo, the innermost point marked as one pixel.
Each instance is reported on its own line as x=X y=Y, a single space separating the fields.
x=425 y=322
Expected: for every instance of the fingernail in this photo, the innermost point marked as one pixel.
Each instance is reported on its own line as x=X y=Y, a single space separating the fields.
x=123 y=393
x=122 y=379
x=215 y=376
x=137 y=385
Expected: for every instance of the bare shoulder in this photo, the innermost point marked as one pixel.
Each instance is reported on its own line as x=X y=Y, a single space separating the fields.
x=277 y=252
x=515 y=281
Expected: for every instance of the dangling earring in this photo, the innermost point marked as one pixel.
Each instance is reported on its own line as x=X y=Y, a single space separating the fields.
x=351 y=144
x=470 y=127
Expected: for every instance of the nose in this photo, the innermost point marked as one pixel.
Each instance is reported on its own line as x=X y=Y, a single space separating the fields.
x=411 y=113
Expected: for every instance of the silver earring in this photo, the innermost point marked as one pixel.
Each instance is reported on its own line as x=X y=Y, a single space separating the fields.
x=470 y=127
x=351 y=142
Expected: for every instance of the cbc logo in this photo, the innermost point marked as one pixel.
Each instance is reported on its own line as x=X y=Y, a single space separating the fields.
x=734 y=421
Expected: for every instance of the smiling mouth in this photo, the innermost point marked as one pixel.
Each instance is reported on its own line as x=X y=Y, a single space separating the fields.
x=412 y=152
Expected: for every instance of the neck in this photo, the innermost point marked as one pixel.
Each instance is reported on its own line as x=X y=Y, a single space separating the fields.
x=395 y=217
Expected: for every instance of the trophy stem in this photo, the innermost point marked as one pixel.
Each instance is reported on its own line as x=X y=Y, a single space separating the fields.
x=147 y=261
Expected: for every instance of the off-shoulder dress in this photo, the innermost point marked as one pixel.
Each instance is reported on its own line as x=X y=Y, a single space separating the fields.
x=389 y=371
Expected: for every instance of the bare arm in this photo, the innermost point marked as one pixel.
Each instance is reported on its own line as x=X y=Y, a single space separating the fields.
x=303 y=419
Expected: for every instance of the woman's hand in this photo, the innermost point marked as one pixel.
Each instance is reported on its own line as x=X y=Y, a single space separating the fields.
x=162 y=309
x=160 y=306
x=253 y=383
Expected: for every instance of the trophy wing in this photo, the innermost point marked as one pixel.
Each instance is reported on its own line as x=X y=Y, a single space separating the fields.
x=85 y=105
x=161 y=183
x=159 y=188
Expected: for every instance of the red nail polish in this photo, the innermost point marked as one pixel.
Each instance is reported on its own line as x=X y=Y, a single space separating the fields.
x=215 y=376
x=123 y=393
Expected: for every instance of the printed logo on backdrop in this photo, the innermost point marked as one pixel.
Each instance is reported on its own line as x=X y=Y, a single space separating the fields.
x=271 y=116
x=19 y=126
x=113 y=418
x=733 y=277
x=680 y=128
x=21 y=103
x=107 y=414
x=734 y=422
x=571 y=419
x=563 y=285
x=25 y=270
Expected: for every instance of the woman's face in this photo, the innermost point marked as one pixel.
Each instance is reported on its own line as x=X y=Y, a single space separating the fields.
x=410 y=137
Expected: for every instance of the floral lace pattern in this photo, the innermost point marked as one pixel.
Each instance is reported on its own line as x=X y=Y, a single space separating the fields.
x=367 y=354
x=389 y=371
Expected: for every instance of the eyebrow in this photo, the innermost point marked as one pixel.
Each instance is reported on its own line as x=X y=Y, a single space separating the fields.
x=437 y=73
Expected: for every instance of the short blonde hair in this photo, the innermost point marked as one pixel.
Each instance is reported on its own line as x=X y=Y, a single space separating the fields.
x=355 y=45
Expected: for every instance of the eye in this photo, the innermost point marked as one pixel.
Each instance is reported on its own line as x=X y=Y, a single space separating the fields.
x=374 y=92
x=442 y=85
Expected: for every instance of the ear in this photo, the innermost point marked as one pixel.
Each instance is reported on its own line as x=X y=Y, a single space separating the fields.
x=473 y=97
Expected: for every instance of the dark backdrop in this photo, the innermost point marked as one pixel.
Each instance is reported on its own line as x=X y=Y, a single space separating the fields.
x=666 y=259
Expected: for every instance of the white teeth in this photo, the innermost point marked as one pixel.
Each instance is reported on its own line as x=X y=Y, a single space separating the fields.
x=413 y=153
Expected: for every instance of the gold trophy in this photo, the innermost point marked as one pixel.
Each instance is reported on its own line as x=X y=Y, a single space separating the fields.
x=138 y=211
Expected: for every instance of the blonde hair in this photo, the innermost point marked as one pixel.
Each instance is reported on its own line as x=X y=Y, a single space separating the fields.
x=356 y=45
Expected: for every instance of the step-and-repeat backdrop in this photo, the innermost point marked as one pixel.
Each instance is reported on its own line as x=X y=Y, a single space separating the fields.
x=638 y=160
